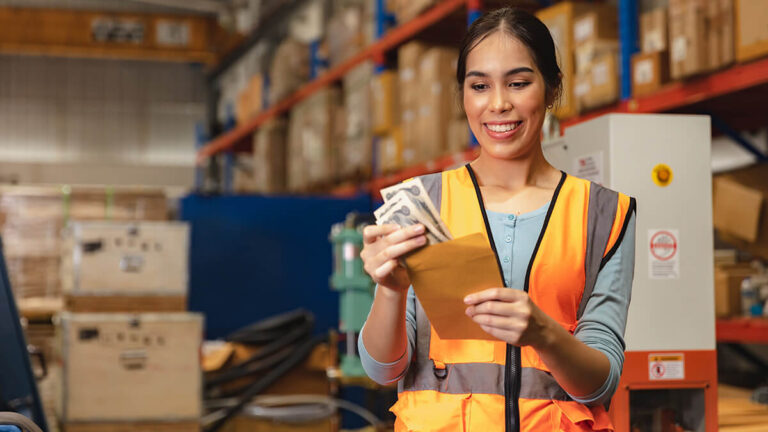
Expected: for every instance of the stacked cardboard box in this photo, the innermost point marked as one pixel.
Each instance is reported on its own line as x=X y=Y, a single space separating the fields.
x=269 y=157
x=728 y=279
x=355 y=149
x=289 y=69
x=751 y=31
x=591 y=32
x=438 y=104
x=250 y=100
x=406 y=10
x=740 y=202
x=346 y=35
x=314 y=127
x=650 y=67
x=596 y=45
x=32 y=218
x=700 y=36
x=409 y=57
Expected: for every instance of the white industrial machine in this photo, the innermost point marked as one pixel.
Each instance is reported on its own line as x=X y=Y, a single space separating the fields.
x=670 y=371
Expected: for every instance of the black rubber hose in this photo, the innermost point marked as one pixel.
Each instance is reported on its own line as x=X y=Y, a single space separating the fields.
x=296 y=357
x=271 y=328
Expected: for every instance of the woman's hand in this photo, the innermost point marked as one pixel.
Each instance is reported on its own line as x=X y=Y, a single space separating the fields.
x=510 y=315
x=383 y=246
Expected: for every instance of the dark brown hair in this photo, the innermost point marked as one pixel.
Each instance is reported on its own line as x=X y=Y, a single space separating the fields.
x=524 y=27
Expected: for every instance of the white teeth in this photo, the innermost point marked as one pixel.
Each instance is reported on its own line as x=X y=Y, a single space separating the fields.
x=503 y=127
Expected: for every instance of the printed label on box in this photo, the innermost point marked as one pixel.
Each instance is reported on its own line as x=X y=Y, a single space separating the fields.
x=600 y=74
x=582 y=88
x=663 y=254
x=666 y=366
x=583 y=29
x=589 y=167
x=653 y=42
x=644 y=71
x=679 y=49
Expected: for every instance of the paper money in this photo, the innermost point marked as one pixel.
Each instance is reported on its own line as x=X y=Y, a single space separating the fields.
x=418 y=195
x=404 y=212
x=401 y=198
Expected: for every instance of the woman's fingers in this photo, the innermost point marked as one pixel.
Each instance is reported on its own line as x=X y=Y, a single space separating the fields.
x=371 y=233
x=399 y=249
x=500 y=294
x=385 y=268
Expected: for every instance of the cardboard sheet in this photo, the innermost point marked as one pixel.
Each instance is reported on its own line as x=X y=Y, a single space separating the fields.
x=443 y=274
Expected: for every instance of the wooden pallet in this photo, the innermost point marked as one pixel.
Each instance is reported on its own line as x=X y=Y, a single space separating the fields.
x=125 y=304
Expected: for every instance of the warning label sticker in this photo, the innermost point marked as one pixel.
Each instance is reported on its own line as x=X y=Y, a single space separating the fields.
x=589 y=167
x=663 y=254
x=666 y=366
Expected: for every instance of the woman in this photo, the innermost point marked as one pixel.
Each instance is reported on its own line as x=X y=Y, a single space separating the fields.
x=564 y=245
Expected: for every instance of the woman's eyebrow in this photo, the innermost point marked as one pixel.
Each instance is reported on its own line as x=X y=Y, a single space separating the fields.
x=508 y=73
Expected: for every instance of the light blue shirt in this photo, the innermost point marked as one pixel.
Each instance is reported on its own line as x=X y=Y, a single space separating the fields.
x=601 y=326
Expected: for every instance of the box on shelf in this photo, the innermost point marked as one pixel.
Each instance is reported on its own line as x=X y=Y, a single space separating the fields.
x=650 y=71
x=458 y=135
x=587 y=53
x=406 y=10
x=125 y=267
x=269 y=157
x=390 y=151
x=740 y=202
x=313 y=124
x=720 y=33
x=559 y=19
x=130 y=368
x=289 y=69
x=653 y=31
x=600 y=86
x=408 y=59
x=726 y=25
x=728 y=280
x=345 y=37
x=438 y=98
x=354 y=158
x=249 y=101
x=751 y=31
x=385 y=107
x=688 y=27
x=600 y=23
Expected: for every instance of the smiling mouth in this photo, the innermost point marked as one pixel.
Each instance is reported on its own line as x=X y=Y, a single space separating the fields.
x=504 y=127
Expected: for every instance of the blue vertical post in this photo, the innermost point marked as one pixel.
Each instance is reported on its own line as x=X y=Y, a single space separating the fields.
x=315 y=61
x=201 y=137
x=628 y=18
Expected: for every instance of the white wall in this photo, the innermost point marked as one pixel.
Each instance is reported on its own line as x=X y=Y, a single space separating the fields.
x=80 y=112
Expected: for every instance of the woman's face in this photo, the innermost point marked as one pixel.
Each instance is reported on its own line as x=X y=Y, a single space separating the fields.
x=504 y=97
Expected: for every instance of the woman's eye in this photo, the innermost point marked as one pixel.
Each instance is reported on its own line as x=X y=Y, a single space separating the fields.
x=519 y=84
x=478 y=87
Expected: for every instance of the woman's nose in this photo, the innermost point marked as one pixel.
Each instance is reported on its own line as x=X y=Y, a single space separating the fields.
x=500 y=102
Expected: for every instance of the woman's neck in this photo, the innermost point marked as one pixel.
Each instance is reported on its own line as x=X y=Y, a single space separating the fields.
x=516 y=174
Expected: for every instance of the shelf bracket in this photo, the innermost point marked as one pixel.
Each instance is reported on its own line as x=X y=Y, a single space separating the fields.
x=733 y=134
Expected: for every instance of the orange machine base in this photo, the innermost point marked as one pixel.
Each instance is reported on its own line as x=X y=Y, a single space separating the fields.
x=699 y=372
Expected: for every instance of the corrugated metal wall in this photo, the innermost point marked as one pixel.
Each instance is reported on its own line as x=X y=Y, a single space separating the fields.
x=86 y=111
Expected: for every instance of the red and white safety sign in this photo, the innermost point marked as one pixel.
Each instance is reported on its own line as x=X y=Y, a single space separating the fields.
x=666 y=366
x=663 y=254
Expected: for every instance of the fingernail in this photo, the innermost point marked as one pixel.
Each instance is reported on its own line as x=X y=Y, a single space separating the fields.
x=418 y=229
x=468 y=299
x=422 y=240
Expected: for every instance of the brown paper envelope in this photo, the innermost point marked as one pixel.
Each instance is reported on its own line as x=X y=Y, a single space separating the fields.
x=444 y=273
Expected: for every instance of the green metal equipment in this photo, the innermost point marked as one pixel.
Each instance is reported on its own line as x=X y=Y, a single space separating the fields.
x=355 y=287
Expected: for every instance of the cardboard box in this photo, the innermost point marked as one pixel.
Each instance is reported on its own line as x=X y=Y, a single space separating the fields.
x=385 y=108
x=406 y=10
x=587 y=53
x=269 y=157
x=688 y=27
x=437 y=100
x=354 y=158
x=727 y=49
x=653 y=31
x=408 y=60
x=250 y=100
x=128 y=367
x=126 y=267
x=597 y=24
x=740 y=202
x=600 y=86
x=559 y=19
x=458 y=135
x=390 y=151
x=728 y=280
x=751 y=30
x=345 y=37
x=650 y=71
x=289 y=69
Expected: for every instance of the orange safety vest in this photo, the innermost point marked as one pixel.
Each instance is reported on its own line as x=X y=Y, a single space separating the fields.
x=487 y=386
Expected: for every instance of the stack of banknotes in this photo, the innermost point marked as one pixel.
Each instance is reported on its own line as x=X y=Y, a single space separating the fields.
x=407 y=204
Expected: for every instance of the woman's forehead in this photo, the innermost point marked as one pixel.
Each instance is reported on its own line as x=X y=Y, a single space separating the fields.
x=499 y=49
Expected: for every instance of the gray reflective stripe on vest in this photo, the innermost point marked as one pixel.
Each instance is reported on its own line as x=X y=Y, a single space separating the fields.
x=466 y=378
x=433 y=183
x=600 y=217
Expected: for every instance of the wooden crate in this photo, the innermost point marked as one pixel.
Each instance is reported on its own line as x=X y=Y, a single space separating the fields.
x=125 y=267
x=32 y=217
x=133 y=427
x=129 y=368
